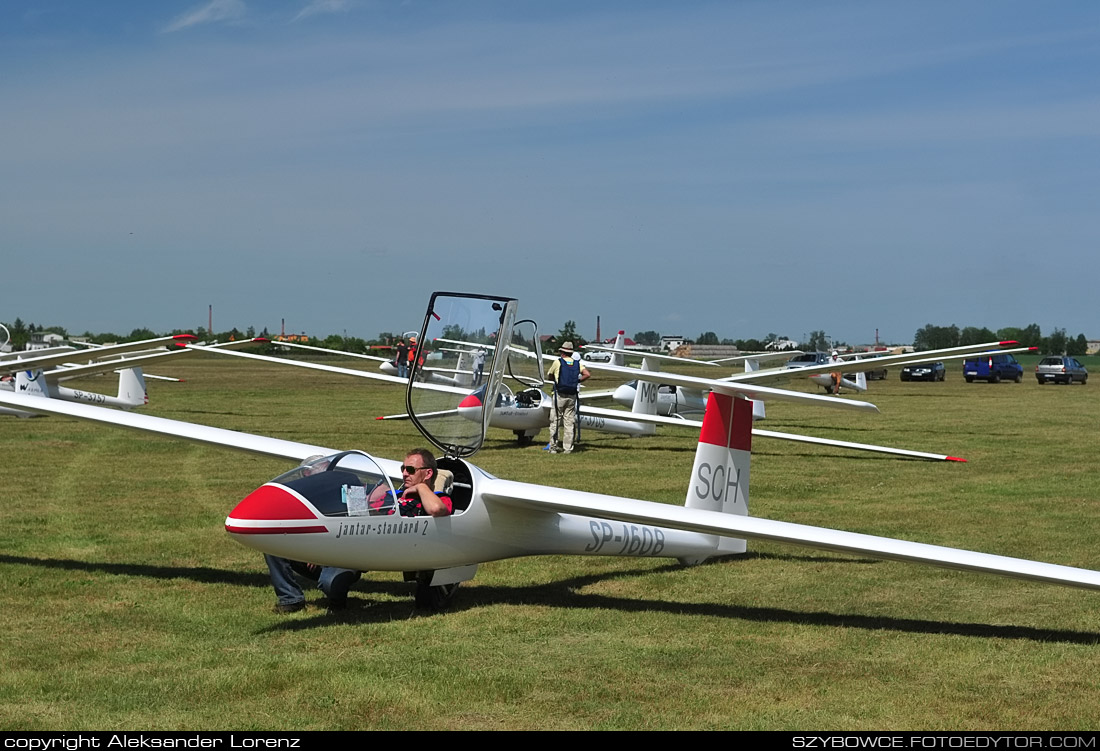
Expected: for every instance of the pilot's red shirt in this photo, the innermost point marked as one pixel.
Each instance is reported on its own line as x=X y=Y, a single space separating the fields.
x=412 y=506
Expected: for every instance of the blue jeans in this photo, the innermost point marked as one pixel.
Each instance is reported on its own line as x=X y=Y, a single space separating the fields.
x=403 y=369
x=286 y=586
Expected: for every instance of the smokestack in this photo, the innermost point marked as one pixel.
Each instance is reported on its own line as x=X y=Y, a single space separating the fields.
x=210 y=320
x=598 y=339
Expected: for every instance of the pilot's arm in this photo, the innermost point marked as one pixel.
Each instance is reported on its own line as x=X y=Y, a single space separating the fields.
x=429 y=500
x=585 y=375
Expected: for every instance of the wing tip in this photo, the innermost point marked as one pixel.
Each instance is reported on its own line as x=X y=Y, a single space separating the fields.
x=954 y=459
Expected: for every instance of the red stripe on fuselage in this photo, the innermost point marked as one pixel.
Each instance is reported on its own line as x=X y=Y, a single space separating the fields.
x=727 y=422
x=274 y=530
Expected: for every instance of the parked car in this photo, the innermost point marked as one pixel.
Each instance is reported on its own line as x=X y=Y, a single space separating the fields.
x=1060 y=369
x=807 y=359
x=992 y=368
x=872 y=373
x=925 y=371
x=597 y=356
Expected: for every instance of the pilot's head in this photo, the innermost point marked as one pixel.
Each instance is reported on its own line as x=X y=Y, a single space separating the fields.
x=422 y=465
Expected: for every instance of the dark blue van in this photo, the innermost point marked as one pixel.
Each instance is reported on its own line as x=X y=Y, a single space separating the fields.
x=992 y=368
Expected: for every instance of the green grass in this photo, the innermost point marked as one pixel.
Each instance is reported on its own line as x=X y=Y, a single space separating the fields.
x=125 y=605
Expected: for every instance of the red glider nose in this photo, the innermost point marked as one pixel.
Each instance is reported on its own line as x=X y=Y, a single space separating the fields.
x=272 y=510
x=473 y=400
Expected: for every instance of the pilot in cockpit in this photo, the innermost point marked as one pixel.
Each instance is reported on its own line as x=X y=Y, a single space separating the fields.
x=424 y=492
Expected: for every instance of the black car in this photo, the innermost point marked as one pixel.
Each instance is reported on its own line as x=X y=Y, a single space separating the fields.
x=925 y=371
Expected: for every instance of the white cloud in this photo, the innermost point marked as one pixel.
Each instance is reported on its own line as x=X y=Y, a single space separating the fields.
x=318 y=7
x=212 y=12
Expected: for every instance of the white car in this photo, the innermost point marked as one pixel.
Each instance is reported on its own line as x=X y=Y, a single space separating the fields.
x=597 y=356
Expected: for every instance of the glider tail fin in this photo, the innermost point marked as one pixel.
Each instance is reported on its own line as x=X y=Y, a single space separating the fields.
x=720 y=476
x=861 y=381
x=131 y=388
x=645 y=395
x=32 y=383
x=465 y=376
x=618 y=358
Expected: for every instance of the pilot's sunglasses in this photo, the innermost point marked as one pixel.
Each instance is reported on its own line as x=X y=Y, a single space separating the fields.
x=410 y=470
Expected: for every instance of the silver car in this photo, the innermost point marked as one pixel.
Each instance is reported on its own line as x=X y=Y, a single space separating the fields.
x=1061 y=370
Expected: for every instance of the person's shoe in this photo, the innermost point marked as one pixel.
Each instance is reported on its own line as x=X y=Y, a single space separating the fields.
x=285 y=608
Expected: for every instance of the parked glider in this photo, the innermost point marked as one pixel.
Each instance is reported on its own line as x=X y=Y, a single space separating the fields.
x=526 y=411
x=313 y=516
x=132 y=391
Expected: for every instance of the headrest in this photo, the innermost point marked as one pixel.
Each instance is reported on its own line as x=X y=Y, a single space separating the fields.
x=444 y=481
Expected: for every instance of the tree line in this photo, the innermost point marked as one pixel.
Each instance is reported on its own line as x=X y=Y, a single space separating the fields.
x=927 y=337
x=1057 y=343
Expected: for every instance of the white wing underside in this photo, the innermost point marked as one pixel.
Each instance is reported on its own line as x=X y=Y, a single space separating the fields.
x=731 y=525
x=255 y=444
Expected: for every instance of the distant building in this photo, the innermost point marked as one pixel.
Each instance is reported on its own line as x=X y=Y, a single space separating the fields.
x=45 y=340
x=712 y=351
x=670 y=343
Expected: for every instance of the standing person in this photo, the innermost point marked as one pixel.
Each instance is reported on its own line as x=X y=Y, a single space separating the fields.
x=567 y=372
x=837 y=376
x=409 y=356
x=402 y=359
x=479 y=365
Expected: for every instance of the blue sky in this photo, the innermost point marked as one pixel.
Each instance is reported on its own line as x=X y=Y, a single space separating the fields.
x=737 y=167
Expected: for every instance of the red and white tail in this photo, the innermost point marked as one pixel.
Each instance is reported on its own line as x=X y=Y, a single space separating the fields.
x=618 y=358
x=720 y=477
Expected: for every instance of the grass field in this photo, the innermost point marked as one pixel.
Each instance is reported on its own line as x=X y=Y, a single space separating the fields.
x=125 y=605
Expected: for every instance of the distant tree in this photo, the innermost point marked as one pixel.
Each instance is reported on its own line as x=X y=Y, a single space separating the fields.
x=1077 y=347
x=454 y=331
x=19 y=335
x=973 y=335
x=139 y=334
x=568 y=333
x=936 y=337
x=707 y=338
x=1030 y=336
x=817 y=341
x=355 y=344
x=750 y=345
x=250 y=332
x=648 y=338
x=1055 y=344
